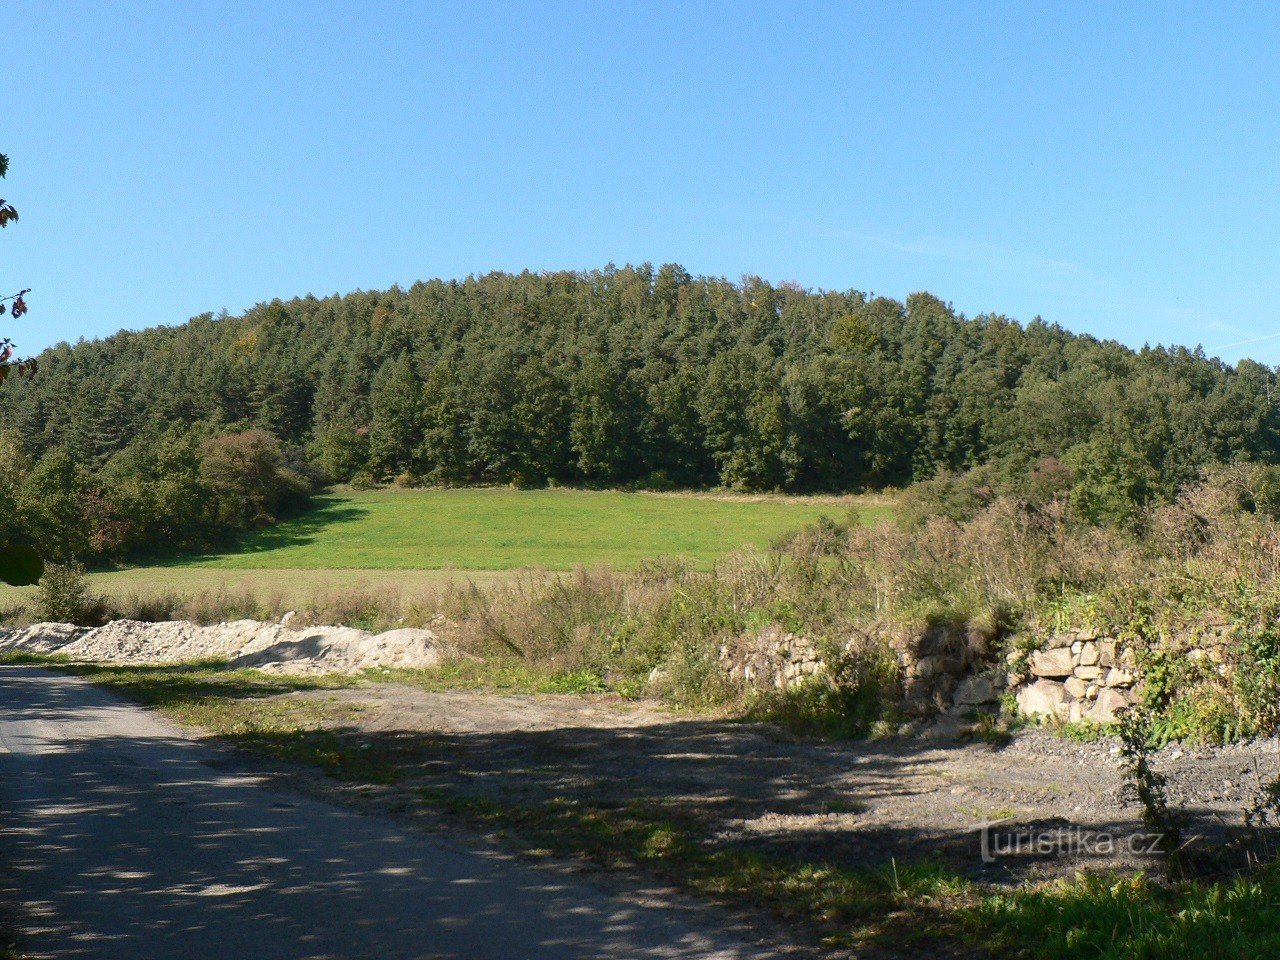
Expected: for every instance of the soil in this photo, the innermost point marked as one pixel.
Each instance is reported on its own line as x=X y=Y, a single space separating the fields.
x=852 y=804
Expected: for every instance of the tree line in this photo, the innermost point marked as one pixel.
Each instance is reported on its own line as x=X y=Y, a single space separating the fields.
x=637 y=376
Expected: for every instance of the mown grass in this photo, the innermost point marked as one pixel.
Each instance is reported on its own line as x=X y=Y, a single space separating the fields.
x=898 y=906
x=397 y=546
x=506 y=529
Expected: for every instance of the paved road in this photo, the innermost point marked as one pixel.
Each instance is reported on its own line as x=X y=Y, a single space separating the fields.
x=126 y=841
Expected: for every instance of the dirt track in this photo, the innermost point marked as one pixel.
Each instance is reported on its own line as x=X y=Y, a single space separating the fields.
x=853 y=804
x=128 y=839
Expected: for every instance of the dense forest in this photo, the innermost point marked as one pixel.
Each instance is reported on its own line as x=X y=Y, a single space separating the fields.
x=614 y=377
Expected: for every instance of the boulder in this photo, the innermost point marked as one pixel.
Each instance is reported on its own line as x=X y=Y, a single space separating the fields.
x=1109 y=704
x=1089 y=654
x=1044 y=698
x=978 y=688
x=932 y=666
x=1056 y=662
x=1075 y=687
x=1118 y=677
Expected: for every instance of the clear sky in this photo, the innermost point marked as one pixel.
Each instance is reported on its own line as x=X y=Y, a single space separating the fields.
x=1114 y=170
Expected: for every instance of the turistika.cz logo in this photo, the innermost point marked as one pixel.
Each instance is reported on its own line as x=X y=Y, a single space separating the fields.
x=998 y=841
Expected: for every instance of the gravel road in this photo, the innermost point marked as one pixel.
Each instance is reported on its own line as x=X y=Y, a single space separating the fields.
x=126 y=838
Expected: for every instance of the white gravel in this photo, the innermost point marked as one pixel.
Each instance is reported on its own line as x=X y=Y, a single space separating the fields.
x=275 y=647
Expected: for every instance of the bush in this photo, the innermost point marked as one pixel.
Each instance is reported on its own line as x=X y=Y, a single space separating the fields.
x=64 y=595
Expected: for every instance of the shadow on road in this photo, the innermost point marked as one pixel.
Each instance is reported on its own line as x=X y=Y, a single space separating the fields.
x=127 y=842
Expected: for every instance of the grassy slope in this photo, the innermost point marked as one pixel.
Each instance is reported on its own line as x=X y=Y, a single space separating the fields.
x=504 y=529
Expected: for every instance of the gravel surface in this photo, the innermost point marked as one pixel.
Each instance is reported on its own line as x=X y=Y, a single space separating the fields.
x=853 y=804
x=129 y=839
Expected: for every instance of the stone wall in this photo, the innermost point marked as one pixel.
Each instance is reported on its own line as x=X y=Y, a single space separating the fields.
x=771 y=660
x=952 y=674
x=1077 y=676
x=941 y=666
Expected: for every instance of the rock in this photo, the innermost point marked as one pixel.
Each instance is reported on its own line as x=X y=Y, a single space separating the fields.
x=1044 y=698
x=945 y=729
x=978 y=688
x=1060 y=640
x=1106 y=653
x=945 y=685
x=930 y=666
x=1118 y=677
x=1075 y=687
x=1089 y=633
x=1056 y=662
x=1109 y=704
x=1088 y=673
x=1089 y=654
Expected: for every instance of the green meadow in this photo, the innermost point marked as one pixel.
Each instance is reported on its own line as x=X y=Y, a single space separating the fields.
x=480 y=529
x=409 y=542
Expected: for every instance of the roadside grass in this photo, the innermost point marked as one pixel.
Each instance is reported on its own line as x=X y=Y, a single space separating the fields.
x=217 y=593
x=892 y=906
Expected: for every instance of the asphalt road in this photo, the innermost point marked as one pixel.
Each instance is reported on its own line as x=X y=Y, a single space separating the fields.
x=126 y=838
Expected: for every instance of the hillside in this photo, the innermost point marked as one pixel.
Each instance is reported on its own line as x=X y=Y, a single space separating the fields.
x=614 y=377
x=642 y=375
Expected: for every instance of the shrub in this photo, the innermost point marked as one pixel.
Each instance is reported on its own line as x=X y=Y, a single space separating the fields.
x=64 y=595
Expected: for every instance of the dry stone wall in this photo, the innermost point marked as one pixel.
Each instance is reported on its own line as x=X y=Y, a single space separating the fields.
x=942 y=667
x=1077 y=676
x=952 y=673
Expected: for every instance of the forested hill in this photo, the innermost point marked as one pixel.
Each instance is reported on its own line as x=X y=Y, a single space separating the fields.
x=653 y=376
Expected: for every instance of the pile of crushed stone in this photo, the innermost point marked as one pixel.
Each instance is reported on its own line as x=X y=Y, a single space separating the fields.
x=274 y=647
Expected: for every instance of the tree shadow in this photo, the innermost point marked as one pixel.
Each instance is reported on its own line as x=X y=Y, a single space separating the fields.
x=721 y=795
x=300 y=530
x=127 y=840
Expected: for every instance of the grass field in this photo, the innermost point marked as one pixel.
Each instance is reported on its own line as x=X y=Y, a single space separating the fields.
x=502 y=529
x=410 y=542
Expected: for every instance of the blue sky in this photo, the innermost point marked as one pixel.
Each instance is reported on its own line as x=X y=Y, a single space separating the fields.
x=1110 y=170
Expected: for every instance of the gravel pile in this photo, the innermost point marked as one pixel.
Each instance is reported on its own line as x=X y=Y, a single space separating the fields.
x=275 y=647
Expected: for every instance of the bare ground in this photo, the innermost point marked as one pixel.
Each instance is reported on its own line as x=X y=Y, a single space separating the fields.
x=852 y=805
